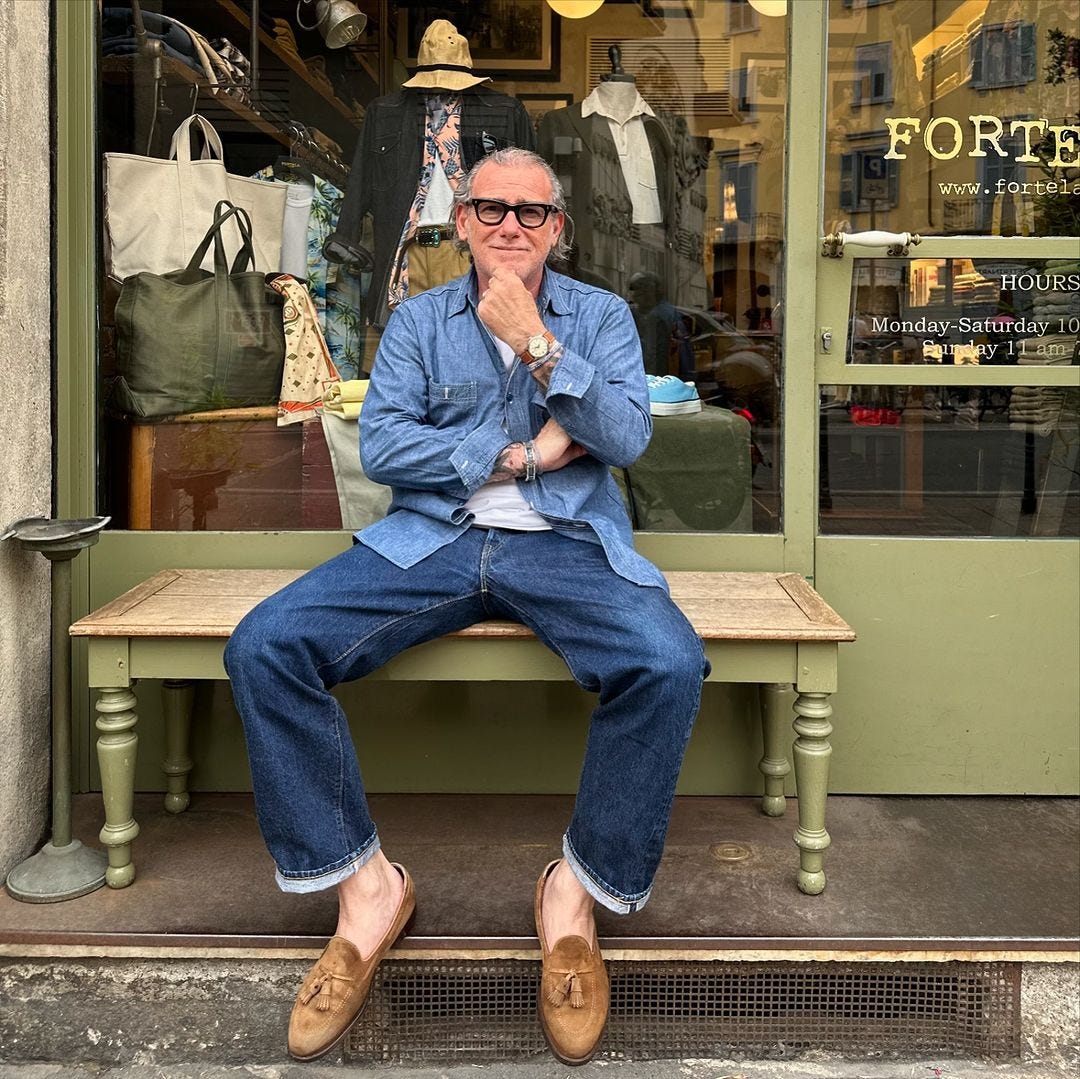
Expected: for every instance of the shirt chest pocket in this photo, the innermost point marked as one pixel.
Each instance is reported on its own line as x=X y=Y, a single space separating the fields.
x=450 y=403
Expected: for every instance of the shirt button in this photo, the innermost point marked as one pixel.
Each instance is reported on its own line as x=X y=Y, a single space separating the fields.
x=509 y=398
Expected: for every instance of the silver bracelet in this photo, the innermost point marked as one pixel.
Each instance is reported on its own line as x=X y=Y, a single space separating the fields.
x=530 y=461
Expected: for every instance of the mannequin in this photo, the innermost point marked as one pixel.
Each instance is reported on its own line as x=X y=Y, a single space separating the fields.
x=618 y=100
x=615 y=160
x=413 y=147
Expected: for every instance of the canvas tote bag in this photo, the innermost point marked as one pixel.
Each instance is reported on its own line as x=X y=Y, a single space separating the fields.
x=190 y=340
x=156 y=208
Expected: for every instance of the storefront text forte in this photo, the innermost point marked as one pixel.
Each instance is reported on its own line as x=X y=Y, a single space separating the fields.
x=985 y=131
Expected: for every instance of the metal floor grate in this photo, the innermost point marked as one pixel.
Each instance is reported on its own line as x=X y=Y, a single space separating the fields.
x=428 y=1010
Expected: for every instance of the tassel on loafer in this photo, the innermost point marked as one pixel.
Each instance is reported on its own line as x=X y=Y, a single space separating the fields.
x=336 y=989
x=574 y=992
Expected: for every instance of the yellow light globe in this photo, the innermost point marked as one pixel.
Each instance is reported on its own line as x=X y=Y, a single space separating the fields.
x=769 y=7
x=575 y=9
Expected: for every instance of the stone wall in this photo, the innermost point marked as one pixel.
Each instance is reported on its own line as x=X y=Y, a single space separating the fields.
x=25 y=423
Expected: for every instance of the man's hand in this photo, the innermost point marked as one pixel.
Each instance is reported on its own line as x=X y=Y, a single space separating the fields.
x=555 y=448
x=508 y=310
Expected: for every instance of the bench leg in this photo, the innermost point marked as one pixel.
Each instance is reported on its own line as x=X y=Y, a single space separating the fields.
x=177 y=701
x=117 y=747
x=774 y=703
x=812 y=752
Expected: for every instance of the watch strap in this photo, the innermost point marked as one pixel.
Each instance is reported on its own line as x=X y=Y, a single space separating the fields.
x=527 y=357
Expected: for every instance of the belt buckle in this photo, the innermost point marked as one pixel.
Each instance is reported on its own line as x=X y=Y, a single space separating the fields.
x=429 y=236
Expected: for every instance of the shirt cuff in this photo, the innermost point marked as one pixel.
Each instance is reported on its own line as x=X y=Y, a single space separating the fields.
x=572 y=376
x=475 y=456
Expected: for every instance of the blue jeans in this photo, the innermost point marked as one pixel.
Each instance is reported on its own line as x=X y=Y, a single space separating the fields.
x=346 y=618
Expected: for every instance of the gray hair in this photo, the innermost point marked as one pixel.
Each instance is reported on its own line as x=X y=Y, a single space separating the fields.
x=515 y=155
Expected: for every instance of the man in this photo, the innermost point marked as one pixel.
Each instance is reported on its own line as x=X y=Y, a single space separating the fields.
x=497 y=404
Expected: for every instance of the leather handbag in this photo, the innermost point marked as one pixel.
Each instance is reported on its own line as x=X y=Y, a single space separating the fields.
x=192 y=341
x=156 y=208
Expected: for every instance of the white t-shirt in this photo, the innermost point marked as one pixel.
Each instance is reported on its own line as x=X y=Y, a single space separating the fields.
x=440 y=198
x=498 y=503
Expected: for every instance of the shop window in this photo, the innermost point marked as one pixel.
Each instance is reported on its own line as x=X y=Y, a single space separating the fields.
x=965 y=312
x=687 y=228
x=868 y=181
x=905 y=460
x=873 y=74
x=1003 y=55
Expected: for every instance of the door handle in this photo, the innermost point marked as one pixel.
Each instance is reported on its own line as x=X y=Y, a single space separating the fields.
x=895 y=243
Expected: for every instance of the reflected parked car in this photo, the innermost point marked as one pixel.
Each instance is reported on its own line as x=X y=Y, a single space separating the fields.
x=732 y=368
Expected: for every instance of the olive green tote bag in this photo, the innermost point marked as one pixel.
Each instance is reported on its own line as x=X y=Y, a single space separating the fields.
x=192 y=341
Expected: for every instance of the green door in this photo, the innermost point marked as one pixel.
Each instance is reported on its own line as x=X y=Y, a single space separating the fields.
x=946 y=372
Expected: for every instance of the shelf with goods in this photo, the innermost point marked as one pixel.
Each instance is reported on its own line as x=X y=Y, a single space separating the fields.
x=293 y=62
x=293 y=77
x=230 y=115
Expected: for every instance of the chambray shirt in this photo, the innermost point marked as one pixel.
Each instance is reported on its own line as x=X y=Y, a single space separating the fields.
x=441 y=406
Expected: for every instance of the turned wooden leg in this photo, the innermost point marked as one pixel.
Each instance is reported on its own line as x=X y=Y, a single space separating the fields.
x=117 y=747
x=775 y=704
x=812 y=752
x=177 y=700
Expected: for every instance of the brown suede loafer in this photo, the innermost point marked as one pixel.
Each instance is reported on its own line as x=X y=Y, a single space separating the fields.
x=573 y=1000
x=336 y=989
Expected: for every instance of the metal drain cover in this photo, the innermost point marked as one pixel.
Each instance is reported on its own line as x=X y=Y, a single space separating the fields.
x=730 y=852
x=485 y=1010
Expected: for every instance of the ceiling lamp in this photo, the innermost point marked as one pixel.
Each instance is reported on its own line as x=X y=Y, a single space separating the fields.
x=769 y=7
x=575 y=9
x=340 y=22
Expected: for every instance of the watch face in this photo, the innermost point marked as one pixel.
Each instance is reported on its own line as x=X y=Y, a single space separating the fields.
x=538 y=346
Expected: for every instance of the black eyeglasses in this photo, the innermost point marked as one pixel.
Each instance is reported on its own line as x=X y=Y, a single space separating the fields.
x=530 y=215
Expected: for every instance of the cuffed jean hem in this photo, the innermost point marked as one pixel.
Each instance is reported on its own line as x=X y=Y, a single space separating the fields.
x=620 y=904
x=321 y=881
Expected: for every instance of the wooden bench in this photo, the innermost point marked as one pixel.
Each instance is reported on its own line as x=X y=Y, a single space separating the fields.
x=758 y=628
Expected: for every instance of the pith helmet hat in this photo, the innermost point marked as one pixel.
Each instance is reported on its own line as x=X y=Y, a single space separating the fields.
x=444 y=60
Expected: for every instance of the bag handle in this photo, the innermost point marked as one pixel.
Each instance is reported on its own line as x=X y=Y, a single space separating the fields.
x=180 y=149
x=213 y=236
x=245 y=257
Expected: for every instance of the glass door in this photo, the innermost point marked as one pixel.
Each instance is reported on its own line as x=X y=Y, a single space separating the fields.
x=947 y=389
x=949 y=287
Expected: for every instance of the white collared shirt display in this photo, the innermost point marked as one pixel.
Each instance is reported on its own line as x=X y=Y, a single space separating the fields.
x=623 y=107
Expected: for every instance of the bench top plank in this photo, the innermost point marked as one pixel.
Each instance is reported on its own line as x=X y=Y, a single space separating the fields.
x=720 y=606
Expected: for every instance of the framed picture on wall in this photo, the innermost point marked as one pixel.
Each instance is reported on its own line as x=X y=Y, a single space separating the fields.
x=539 y=105
x=766 y=82
x=508 y=39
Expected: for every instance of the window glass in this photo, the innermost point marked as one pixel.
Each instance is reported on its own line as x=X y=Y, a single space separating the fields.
x=665 y=122
x=950 y=461
x=965 y=311
x=954 y=117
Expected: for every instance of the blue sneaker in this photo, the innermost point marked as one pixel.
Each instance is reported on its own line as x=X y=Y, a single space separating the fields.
x=670 y=396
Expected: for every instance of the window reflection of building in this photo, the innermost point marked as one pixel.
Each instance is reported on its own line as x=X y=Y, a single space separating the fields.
x=665 y=336
x=873 y=74
x=855 y=194
x=741 y=17
x=1003 y=55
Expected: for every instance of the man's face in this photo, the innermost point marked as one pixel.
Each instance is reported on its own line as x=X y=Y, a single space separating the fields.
x=509 y=245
